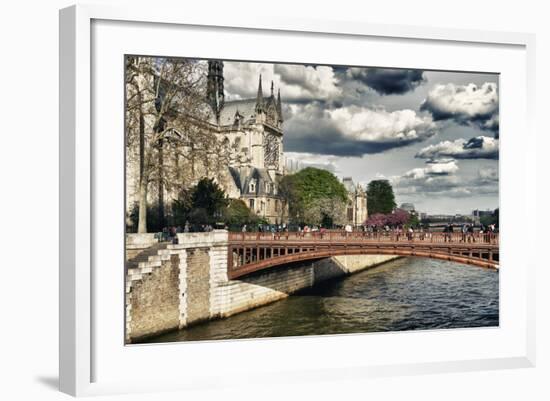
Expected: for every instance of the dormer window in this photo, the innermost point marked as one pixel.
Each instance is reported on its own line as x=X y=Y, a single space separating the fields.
x=252 y=187
x=267 y=187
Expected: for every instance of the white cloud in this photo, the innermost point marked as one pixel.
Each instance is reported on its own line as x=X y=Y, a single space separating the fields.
x=465 y=104
x=352 y=130
x=440 y=178
x=438 y=168
x=299 y=160
x=468 y=100
x=480 y=147
x=379 y=125
x=307 y=82
x=488 y=175
x=296 y=82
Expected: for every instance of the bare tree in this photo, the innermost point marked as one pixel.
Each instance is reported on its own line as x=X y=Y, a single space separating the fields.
x=166 y=112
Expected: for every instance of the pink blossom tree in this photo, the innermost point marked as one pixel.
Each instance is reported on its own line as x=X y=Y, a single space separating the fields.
x=377 y=219
x=397 y=217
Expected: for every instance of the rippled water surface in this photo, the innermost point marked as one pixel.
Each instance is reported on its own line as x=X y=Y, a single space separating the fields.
x=405 y=294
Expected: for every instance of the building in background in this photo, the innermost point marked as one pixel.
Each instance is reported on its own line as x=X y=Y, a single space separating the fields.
x=356 y=212
x=408 y=207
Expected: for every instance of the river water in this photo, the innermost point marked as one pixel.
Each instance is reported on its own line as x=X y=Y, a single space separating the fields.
x=405 y=294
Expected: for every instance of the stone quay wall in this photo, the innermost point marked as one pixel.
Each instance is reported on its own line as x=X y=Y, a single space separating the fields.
x=171 y=286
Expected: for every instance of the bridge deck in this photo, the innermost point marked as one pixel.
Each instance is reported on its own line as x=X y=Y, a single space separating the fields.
x=250 y=252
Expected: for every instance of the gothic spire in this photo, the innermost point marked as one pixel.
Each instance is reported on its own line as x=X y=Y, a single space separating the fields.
x=214 y=92
x=279 y=106
x=260 y=97
x=271 y=88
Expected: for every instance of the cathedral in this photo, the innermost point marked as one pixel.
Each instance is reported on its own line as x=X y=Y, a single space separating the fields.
x=248 y=159
x=251 y=131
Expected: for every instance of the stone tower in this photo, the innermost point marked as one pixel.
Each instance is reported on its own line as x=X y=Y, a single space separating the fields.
x=214 y=90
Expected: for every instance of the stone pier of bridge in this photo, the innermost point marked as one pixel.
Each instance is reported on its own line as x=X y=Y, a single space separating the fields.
x=171 y=286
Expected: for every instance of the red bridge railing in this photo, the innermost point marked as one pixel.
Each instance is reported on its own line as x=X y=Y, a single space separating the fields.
x=359 y=236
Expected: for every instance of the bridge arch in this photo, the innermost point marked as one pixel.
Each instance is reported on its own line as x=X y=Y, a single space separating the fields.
x=249 y=254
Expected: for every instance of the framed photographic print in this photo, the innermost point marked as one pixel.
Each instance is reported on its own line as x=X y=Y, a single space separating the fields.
x=338 y=195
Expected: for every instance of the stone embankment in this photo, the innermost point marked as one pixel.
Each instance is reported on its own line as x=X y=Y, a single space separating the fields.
x=170 y=286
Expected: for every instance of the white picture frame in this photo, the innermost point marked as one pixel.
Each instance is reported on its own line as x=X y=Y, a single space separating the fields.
x=85 y=355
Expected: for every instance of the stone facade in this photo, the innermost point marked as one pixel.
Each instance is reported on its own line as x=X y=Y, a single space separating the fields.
x=251 y=131
x=356 y=212
x=250 y=160
x=172 y=286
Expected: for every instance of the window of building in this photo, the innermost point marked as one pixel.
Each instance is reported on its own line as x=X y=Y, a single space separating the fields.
x=252 y=187
x=251 y=204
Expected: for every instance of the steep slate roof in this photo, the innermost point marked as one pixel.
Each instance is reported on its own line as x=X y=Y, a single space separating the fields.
x=245 y=107
x=243 y=181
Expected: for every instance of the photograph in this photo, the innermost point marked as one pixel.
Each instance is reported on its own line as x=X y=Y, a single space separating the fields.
x=272 y=199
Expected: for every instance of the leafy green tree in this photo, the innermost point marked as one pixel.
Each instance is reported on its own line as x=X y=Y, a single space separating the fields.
x=286 y=189
x=414 y=221
x=182 y=207
x=491 y=219
x=314 y=196
x=313 y=183
x=209 y=196
x=204 y=203
x=326 y=211
x=237 y=214
x=153 y=222
x=380 y=197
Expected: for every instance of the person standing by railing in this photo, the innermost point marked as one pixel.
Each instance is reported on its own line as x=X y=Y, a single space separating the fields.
x=447 y=233
x=348 y=230
x=471 y=237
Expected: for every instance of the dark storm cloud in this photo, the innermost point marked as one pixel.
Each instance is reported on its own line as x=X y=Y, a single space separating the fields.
x=331 y=142
x=387 y=81
x=465 y=105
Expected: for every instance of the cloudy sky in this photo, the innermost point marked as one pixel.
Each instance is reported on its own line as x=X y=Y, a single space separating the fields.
x=433 y=134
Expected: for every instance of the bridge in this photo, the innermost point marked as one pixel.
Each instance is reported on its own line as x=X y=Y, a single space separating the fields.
x=252 y=252
x=193 y=280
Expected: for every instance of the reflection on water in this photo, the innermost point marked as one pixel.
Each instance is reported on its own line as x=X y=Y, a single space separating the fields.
x=405 y=294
